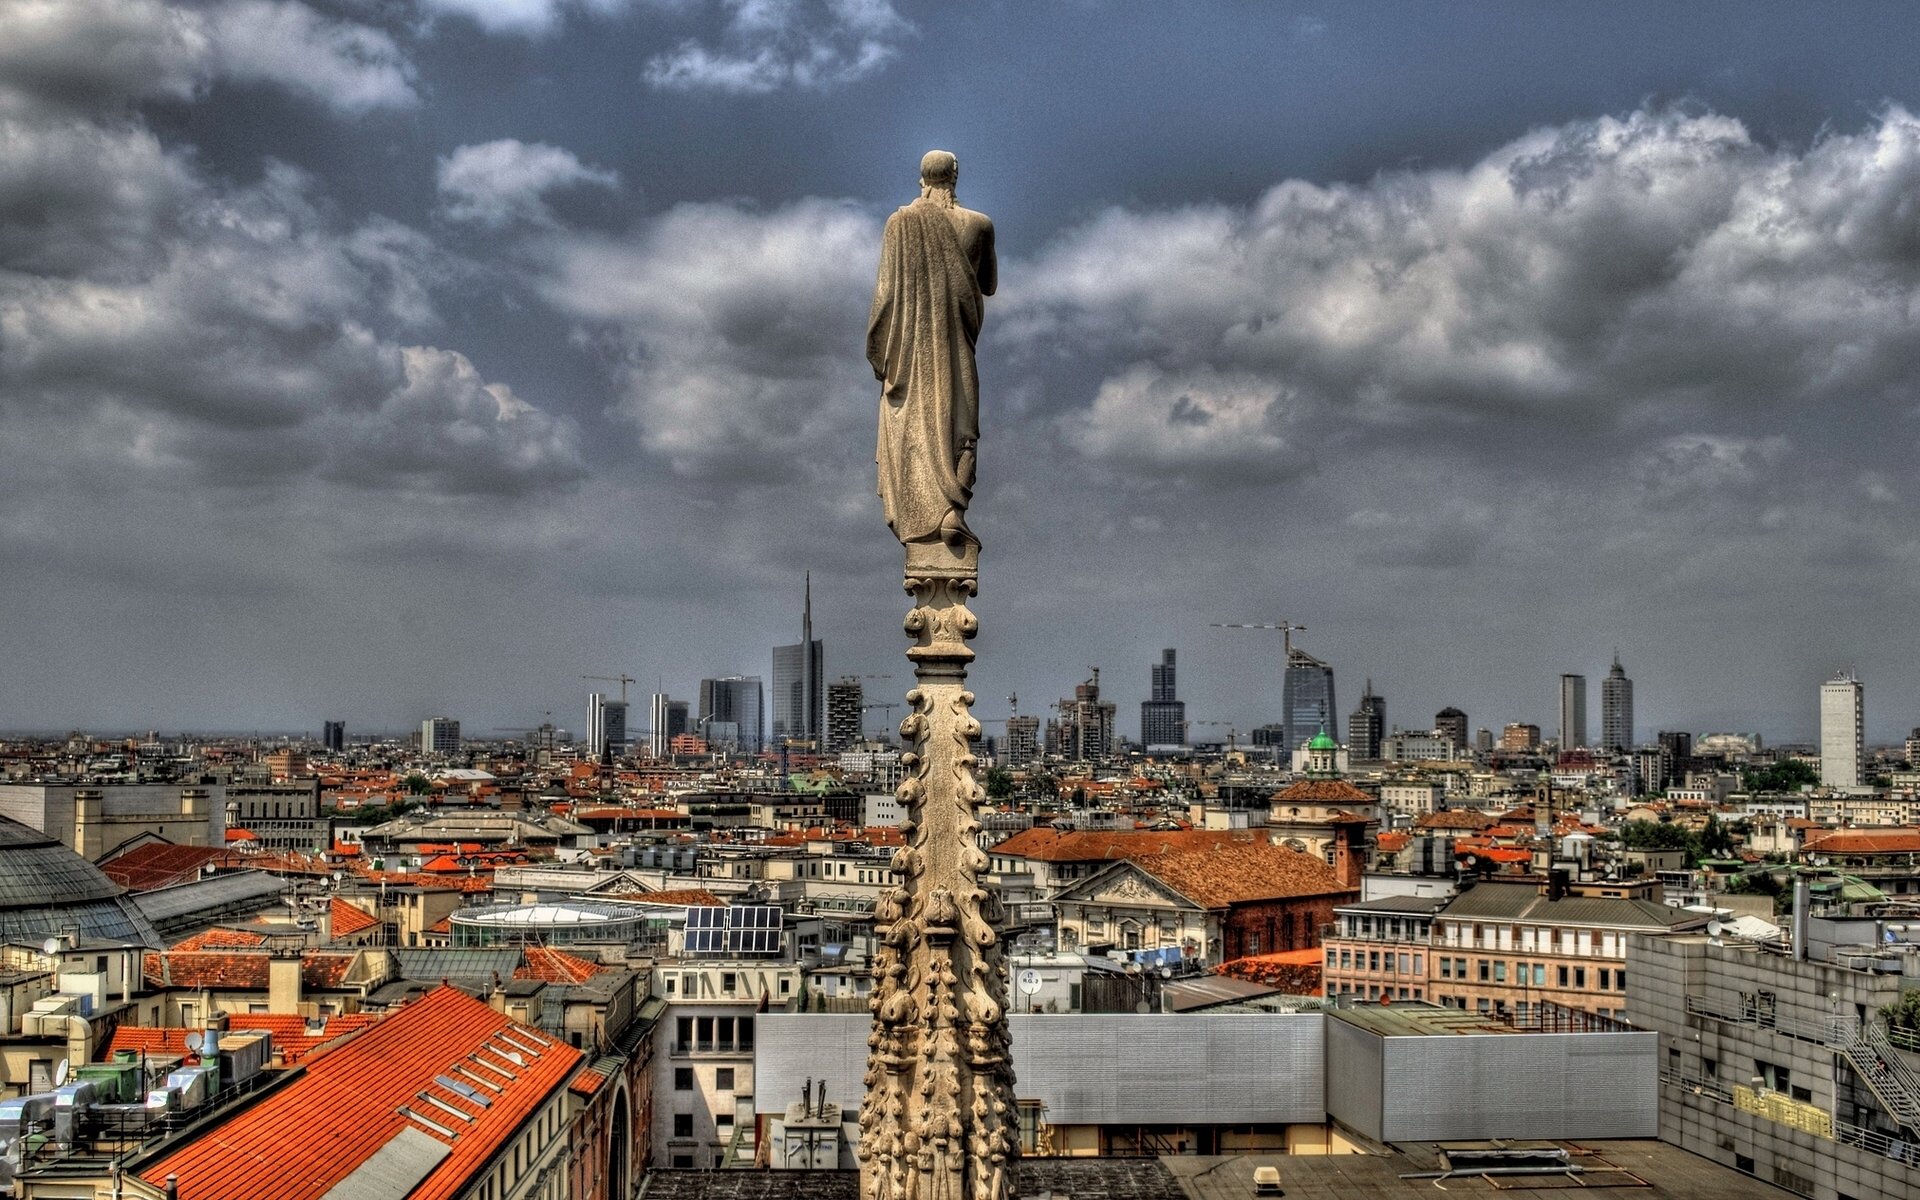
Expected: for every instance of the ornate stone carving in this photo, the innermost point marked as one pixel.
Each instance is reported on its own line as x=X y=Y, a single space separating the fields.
x=938 y=1120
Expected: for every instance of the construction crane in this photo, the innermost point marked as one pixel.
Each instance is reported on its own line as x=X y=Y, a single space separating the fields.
x=623 y=679
x=888 y=707
x=1286 y=630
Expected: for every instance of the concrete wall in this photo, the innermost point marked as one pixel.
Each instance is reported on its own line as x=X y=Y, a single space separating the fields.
x=1546 y=1085
x=1353 y=1077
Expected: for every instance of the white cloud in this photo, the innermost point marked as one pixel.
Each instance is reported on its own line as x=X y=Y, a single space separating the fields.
x=519 y=16
x=1193 y=422
x=737 y=333
x=353 y=68
x=95 y=55
x=770 y=45
x=501 y=182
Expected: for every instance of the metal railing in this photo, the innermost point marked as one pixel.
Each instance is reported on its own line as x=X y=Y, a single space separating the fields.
x=1821 y=1033
x=1899 y=1150
x=1865 y=1045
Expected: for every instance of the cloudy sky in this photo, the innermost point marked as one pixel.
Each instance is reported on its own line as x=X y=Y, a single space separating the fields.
x=374 y=359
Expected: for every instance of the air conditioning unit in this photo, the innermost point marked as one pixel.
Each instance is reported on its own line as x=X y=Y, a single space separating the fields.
x=48 y=1017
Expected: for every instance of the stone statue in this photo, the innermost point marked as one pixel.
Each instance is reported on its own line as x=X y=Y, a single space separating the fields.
x=936 y=265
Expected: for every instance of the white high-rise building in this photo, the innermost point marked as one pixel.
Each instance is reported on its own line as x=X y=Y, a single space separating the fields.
x=1843 y=745
x=658 y=736
x=1573 y=711
x=439 y=735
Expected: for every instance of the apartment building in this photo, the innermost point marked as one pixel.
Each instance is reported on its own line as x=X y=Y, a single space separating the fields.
x=1504 y=948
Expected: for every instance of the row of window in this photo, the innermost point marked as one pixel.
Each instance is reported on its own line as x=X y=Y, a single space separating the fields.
x=683 y=1079
x=716 y=1034
x=1375 y=960
x=1524 y=974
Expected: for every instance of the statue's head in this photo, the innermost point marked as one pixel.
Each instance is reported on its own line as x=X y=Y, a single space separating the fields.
x=939 y=168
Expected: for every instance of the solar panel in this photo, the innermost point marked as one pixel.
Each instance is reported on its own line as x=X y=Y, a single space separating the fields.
x=734 y=931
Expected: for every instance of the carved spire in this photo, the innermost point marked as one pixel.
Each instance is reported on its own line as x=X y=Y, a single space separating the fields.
x=938 y=1121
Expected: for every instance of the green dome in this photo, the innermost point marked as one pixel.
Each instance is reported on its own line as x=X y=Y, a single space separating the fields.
x=1322 y=742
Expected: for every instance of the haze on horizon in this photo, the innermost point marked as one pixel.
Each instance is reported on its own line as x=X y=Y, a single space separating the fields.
x=378 y=359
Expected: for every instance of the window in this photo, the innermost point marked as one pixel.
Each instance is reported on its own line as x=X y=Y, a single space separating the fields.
x=671 y=981
x=1580 y=977
x=1620 y=978
x=1419 y=964
x=1606 y=979
x=1446 y=967
x=683 y=1125
x=723 y=1123
x=683 y=1162
x=683 y=1079
x=723 y=1079
x=1406 y=964
x=1563 y=977
x=746 y=1034
x=1373 y=960
x=1459 y=968
x=1500 y=971
x=727 y=982
x=1539 y=974
x=1486 y=970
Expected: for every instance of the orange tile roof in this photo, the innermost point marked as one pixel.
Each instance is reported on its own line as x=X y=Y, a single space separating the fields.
x=220 y=939
x=555 y=966
x=157 y=864
x=1337 y=791
x=241 y=970
x=1866 y=841
x=291 y=1039
x=1043 y=843
x=348 y=919
x=1455 y=818
x=318 y=1130
x=1243 y=873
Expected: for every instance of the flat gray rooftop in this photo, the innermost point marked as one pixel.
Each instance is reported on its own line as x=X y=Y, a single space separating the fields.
x=1631 y=1170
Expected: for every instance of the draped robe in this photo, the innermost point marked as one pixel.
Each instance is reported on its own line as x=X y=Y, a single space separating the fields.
x=926 y=318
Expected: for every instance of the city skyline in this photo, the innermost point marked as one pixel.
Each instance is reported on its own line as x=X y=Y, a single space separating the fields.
x=357 y=365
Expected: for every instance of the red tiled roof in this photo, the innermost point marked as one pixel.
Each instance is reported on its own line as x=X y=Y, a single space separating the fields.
x=241 y=970
x=348 y=920
x=158 y=864
x=1242 y=873
x=1455 y=818
x=1322 y=791
x=1043 y=843
x=698 y=897
x=220 y=939
x=555 y=966
x=1866 y=841
x=1389 y=843
x=321 y=1128
x=291 y=1039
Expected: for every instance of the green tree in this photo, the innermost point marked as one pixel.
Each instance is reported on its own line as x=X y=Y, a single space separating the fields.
x=999 y=783
x=1785 y=776
x=417 y=785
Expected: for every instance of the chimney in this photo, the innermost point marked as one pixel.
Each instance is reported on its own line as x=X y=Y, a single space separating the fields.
x=1799 y=920
x=284 y=982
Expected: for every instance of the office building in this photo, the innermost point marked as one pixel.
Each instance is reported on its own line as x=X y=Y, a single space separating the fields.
x=1678 y=745
x=799 y=683
x=1163 y=716
x=666 y=720
x=439 y=735
x=606 y=726
x=1483 y=741
x=1367 y=727
x=846 y=712
x=1452 y=723
x=1307 y=696
x=333 y=736
x=1842 y=731
x=1616 y=709
x=1023 y=740
x=1573 y=711
x=1913 y=748
x=731 y=713
x=1520 y=735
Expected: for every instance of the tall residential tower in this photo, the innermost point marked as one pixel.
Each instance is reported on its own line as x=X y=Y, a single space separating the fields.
x=1163 y=716
x=1616 y=708
x=1367 y=727
x=1573 y=711
x=1843 y=747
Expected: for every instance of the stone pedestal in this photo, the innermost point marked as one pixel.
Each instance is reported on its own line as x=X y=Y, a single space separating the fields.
x=938 y=1120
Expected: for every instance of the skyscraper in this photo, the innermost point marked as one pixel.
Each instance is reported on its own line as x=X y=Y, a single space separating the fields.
x=731 y=712
x=846 y=703
x=1367 y=727
x=439 y=735
x=1306 y=695
x=1085 y=728
x=333 y=736
x=1163 y=716
x=1452 y=723
x=606 y=726
x=799 y=682
x=1573 y=711
x=1616 y=708
x=1842 y=731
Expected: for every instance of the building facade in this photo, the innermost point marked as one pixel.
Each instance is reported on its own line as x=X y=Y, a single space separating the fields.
x=1616 y=709
x=1023 y=740
x=1842 y=731
x=333 y=736
x=1084 y=730
x=439 y=735
x=799 y=684
x=1573 y=711
x=1367 y=727
x=846 y=714
x=606 y=726
x=730 y=712
x=1452 y=723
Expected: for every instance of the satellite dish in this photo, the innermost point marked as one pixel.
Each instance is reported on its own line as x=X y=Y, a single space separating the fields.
x=61 y=1072
x=193 y=1042
x=51 y=945
x=1143 y=1007
x=1029 y=982
x=1714 y=928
